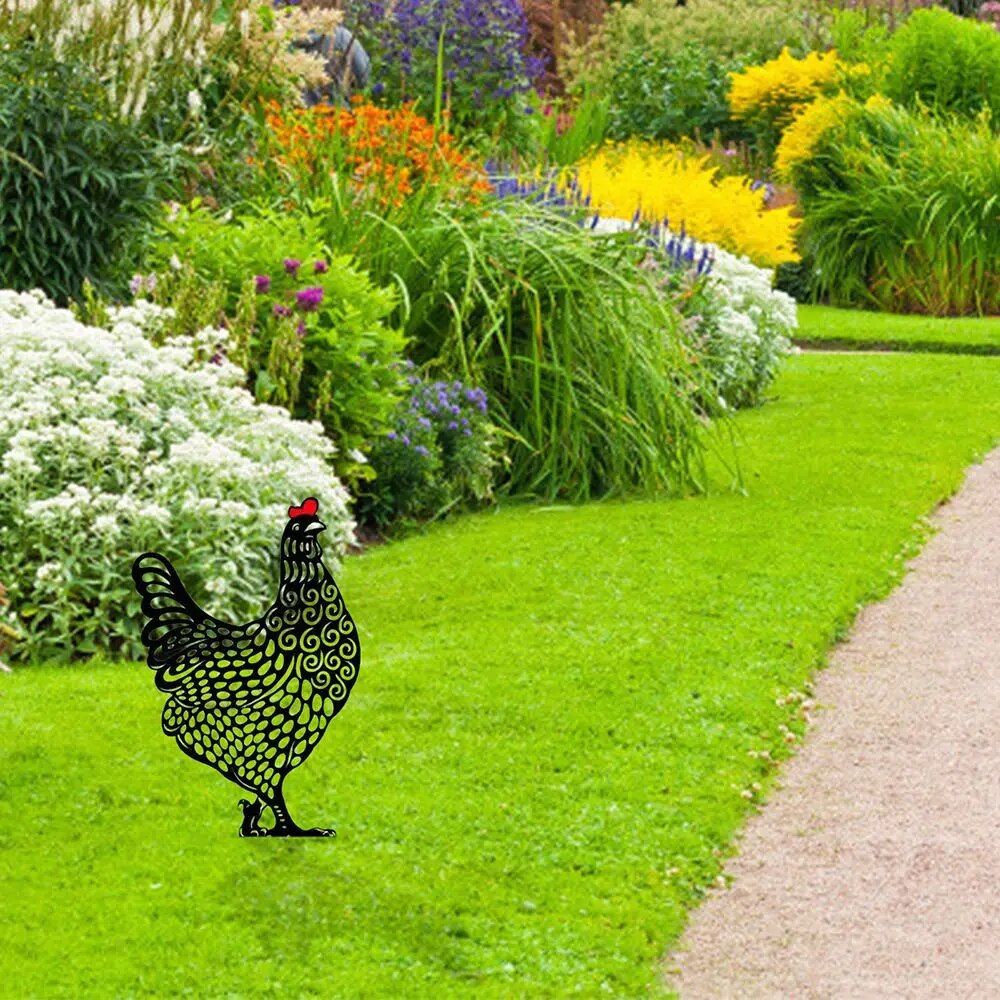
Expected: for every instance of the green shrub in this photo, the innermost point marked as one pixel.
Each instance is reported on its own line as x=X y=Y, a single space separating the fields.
x=901 y=211
x=945 y=62
x=671 y=94
x=78 y=186
x=316 y=342
x=724 y=30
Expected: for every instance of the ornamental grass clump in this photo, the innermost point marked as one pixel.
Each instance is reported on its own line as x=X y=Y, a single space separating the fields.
x=901 y=212
x=659 y=183
x=112 y=446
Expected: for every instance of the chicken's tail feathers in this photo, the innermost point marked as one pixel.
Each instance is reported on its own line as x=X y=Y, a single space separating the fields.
x=174 y=618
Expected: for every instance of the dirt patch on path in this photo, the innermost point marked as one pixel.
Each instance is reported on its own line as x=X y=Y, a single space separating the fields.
x=874 y=872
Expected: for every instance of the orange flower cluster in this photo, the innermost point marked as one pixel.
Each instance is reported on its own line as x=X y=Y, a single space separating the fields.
x=388 y=152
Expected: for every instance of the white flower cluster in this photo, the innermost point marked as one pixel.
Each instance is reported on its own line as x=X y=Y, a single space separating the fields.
x=748 y=334
x=110 y=446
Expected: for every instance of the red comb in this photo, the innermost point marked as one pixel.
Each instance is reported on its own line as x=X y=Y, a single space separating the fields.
x=309 y=507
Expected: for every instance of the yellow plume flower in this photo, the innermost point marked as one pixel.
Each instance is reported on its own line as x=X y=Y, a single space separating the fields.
x=657 y=181
x=811 y=121
x=774 y=89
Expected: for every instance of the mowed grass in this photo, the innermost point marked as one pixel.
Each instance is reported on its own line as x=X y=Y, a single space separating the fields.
x=544 y=761
x=825 y=326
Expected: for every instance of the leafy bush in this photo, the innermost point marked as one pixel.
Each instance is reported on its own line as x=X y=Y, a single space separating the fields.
x=671 y=94
x=725 y=31
x=440 y=452
x=470 y=54
x=317 y=340
x=900 y=212
x=946 y=62
x=78 y=186
x=112 y=446
x=659 y=183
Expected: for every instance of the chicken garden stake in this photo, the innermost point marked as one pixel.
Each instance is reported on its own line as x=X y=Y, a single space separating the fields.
x=253 y=700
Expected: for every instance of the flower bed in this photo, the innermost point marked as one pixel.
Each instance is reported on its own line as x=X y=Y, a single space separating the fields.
x=111 y=446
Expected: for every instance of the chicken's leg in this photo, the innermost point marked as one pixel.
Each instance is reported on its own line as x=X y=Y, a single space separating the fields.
x=285 y=826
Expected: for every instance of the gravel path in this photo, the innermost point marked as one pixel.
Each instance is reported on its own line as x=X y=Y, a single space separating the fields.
x=875 y=870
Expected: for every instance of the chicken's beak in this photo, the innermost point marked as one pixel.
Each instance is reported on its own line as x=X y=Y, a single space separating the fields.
x=316 y=526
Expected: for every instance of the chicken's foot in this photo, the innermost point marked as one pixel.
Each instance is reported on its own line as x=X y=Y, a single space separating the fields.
x=250 y=826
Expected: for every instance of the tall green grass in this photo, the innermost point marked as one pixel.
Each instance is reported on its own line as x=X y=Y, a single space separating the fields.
x=902 y=211
x=579 y=351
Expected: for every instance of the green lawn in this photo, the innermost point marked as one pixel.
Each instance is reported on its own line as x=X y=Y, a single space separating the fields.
x=543 y=760
x=824 y=326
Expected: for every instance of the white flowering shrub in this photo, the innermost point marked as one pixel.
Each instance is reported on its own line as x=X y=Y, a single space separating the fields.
x=110 y=446
x=746 y=328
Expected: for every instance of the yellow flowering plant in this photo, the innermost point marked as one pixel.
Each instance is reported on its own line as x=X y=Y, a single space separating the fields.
x=810 y=123
x=767 y=97
x=657 y=182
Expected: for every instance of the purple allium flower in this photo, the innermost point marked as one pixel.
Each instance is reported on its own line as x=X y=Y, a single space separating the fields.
x=421 y=450
x=308 y=299
x=262 y=282
x=291 y=265
x=424 y=422
x=453 y=425
x=321 y=267
x=406 y=440
x=392 y=435
x=280 y=310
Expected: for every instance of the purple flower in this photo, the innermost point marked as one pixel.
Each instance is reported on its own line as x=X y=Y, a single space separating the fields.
x=308 y=299
x=280 y=310
x=392 y=435
x=321 y=267
x=453 y=425
x=262 y=282
x=292 y=265
x=300 y=328
x=421 y=450
x=406 y=440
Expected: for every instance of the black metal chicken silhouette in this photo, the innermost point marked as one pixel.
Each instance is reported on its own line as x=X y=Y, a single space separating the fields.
x=253 y=700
